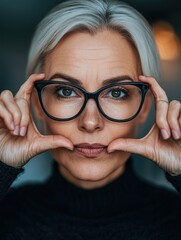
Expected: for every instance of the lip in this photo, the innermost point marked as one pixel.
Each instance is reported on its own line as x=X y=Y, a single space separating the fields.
x=90 y=150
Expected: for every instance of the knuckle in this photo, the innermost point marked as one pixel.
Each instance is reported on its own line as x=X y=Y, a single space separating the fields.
x=17 y=116
x=163 y=94
x=6 y=94
x=160 y=121
x=3 y=111
x=8 y=119
x=6 y=116
x=22 y=102
x=175 y=104
x=172 y=121
x=24 y=111
x=25 y=120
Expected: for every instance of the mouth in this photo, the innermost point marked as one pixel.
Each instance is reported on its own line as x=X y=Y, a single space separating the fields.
x=90 y=150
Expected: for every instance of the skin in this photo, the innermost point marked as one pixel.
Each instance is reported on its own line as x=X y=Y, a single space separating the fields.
x=97 y=58
x=101 y=56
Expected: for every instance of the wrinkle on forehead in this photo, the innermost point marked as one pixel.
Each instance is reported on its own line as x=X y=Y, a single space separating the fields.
x=92 y=58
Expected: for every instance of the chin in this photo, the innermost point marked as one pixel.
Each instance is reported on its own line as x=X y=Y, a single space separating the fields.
x=89 y=172
x=99 y=170
x=86 y=171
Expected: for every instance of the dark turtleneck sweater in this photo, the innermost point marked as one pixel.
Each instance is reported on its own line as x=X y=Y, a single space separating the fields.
x=126 y=208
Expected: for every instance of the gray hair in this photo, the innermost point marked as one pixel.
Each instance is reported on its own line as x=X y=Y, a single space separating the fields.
x=92 y=16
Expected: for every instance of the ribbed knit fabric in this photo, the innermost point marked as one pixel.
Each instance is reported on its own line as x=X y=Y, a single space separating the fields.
x=7 y=176
x=127 y=208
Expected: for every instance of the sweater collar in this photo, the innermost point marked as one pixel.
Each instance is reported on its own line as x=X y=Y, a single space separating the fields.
x=111 y=199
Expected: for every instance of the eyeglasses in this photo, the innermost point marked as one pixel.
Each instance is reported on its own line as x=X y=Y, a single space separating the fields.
x=118 y=102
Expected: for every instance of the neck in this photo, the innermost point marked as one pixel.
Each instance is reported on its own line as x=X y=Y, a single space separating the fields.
x=118 y=196
x=86 y=184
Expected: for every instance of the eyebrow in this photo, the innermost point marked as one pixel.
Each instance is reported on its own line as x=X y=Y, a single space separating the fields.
x=79 y=83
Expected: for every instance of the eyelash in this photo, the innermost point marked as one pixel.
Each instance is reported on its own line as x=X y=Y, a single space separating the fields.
x=113 y=89
x=62 y=88
x=119 y=89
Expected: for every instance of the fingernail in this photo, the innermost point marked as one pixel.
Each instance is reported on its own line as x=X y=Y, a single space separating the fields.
x=69 y=148
x=12 y=127
x=165 y=134
x=16 y=131
x=41 y=74
x=175 y=134
x=141 y=76
x=22 y=131
x=111 y=150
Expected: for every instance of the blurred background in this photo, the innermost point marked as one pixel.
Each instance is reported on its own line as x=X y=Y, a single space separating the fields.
x=18 y=22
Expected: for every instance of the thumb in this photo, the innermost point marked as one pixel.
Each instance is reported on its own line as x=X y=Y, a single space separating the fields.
x=127 y=145
x=45 y=143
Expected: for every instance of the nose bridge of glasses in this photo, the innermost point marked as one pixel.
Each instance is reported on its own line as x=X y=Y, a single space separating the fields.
x=91 y=96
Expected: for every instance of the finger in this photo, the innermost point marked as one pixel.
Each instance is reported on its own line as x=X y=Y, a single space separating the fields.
x=9 y=103
x=135 y=146
x=26 y=89
x=161 y=103
x=45 y=143
x=174 y=113
x=6 y=116
x=48 y=142
x=24 y=108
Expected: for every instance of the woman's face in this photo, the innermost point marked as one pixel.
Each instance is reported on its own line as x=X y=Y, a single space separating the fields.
x=91 y=59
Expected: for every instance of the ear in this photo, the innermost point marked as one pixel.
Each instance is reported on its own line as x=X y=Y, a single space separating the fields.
x=36 y=106
x=145 y=108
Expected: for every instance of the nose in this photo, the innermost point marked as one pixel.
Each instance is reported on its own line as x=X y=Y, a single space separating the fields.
x=90 y=120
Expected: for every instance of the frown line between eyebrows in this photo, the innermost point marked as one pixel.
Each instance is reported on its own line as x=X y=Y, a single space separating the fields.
x=79 y=83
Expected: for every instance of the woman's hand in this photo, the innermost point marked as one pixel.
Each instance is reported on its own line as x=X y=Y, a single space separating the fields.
x=163 y=143
x=19 y=137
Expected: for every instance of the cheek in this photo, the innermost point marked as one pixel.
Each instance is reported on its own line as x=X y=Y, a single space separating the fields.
x=110 y=132
x=123 y=130
x=58 y=128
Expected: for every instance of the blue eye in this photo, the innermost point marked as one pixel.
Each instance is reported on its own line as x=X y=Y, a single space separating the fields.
x=65 y=92
x=117 y=93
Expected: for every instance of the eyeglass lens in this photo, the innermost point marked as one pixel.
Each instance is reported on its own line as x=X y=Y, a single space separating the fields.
x=118 y=102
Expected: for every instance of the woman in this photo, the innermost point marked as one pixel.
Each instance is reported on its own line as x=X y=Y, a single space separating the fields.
x=93 y=67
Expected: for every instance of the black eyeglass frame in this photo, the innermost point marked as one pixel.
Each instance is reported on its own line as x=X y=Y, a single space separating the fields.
x=39 y=85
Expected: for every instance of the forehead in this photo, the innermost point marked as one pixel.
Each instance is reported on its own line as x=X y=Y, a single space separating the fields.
x=93 y=57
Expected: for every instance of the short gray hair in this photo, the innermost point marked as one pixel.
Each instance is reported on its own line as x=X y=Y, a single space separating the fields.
x=92 y=16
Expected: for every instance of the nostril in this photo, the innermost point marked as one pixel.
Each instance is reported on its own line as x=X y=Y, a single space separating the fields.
x=90 y=119
x=90 y=124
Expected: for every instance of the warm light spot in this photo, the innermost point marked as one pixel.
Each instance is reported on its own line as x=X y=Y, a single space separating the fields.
x=167 y=41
